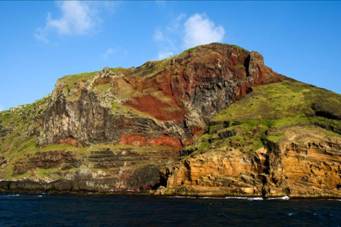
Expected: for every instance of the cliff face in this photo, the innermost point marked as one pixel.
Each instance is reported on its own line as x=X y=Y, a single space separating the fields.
x=175 y=97
x=304 y=164
x=213 y=120
x=272 y=143
x=307 y=164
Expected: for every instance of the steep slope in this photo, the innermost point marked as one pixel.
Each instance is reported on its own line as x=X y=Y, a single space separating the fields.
x=213 y=120
x=175 y=96
x=284 y=139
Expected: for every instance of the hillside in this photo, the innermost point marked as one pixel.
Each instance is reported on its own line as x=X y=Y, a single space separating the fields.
x=213 y=120
x=283 y=139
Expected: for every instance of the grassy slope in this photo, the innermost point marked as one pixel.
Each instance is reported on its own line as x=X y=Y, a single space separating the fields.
x=18 y=134
x=19 y=129
x=267 y=112
x=261 y=116
x=246 y=124
x=19 y=140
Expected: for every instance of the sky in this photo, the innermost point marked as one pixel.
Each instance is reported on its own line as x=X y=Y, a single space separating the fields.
x=40 y=41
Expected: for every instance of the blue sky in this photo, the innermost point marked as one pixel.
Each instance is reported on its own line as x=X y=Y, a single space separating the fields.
x=42 y=41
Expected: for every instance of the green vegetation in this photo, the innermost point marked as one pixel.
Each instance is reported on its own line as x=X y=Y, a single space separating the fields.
x=19 y=132
x=280 y=100
x=70 y=85
x=151 y=68
x=238 y=47
x=248 y=124
x=267 y=112
x=103 y=88
x=70 y=81
x=120 y=70
x=73 y=81
x=19 y=127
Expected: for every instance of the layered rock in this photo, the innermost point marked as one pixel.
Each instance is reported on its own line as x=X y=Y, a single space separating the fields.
x=46 y=160
x=106 y=170
x=306 y=163
x=212 y=121
x=216 y=173
x=176 y=97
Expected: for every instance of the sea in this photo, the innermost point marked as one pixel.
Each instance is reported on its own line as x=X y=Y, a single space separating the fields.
x=118 y=210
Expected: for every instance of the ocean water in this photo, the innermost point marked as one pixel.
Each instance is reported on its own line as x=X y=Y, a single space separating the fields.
x=61 y=210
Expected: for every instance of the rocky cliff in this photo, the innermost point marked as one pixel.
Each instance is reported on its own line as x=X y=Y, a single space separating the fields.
x=213 y=120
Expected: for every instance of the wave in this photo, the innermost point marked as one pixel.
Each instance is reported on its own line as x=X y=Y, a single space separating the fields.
x=244 y=198
x=279 y=198
x=184 y=197
x=212 y=197
x=339 y=200
x=10 y=195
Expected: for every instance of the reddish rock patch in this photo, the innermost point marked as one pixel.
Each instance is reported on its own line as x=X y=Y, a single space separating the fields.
x=156 y=108
x=69 y=140
x=203 y=81
x=166 y=140
x=197 y=131
x=139 y=140
x=133 y=140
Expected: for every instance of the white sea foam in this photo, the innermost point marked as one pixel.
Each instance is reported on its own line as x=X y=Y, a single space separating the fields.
x=279 y=198
x=184 y=197
x=339 y=200
x=244 y=198
x=11 y=195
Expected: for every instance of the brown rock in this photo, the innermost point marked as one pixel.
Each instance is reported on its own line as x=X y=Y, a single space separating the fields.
x=172 y=97
x=305 y=164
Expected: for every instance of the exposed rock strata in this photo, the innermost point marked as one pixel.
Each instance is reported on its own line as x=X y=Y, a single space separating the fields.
x=124 y=170
x=46 y=160
x=176 y=100
x=304 y=164
x=165 y=128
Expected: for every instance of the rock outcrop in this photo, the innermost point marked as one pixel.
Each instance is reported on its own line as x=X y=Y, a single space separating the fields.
x=303 y=164
x=212 y=121
x=176 y=97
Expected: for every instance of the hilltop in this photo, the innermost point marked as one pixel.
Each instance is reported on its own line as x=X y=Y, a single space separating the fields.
x=212 y=121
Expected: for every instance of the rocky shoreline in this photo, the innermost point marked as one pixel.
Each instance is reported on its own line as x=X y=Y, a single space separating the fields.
x=18 y=192
x=211 y=121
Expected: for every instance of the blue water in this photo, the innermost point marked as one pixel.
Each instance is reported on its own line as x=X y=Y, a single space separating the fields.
x=58 y=210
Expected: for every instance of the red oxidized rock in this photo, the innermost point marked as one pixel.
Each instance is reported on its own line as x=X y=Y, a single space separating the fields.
x=173 y=97
x=139 y=140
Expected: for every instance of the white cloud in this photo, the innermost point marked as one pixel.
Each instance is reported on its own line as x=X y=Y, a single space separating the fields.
x=76 y=18
x=185 y=32
x=199 y=29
